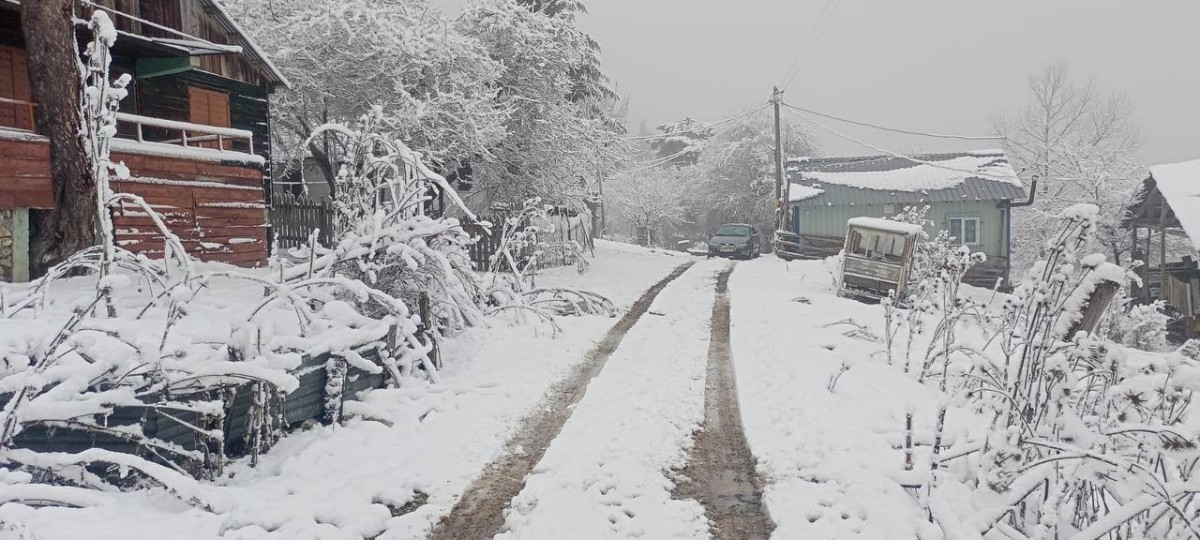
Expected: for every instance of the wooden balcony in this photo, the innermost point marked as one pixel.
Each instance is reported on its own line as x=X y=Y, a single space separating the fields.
x=201 y=179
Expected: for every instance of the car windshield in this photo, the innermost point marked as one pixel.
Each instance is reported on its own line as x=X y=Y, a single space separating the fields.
x=733 y=230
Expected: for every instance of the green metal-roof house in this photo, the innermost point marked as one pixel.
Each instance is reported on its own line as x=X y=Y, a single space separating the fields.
x=969 y=194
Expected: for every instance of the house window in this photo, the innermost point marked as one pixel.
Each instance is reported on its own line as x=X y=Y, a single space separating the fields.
x=965 y=230
x=16 y=108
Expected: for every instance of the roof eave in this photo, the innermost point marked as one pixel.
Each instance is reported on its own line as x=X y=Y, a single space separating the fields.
x=250 y=47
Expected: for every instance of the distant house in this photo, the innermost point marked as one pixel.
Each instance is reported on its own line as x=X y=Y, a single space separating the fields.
x=1168 y=207
x=194 y=132
x=969 y=194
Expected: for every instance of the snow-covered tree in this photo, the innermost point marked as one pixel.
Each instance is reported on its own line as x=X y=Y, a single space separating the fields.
x=554 y=148
x=736 y=178
x=437 y=86
x=681 y=142
x=646 y=204
x=1079 y=142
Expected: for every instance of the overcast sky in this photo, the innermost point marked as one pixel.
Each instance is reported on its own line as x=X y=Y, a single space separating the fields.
x=928 y=65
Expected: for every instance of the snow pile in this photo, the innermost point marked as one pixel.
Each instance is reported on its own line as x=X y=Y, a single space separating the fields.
x=1180 y=186
x=923 y=175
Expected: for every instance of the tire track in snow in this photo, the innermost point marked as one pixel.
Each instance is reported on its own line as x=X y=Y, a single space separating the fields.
x=720 y=472
x=479 y=514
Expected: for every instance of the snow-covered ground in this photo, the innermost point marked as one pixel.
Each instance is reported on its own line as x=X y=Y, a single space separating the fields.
x=823 y=413
x=607 y=473
x=348 y=481
x=828 y=459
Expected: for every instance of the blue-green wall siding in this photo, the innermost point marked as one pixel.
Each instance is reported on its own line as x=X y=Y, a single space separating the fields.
x=831 y=221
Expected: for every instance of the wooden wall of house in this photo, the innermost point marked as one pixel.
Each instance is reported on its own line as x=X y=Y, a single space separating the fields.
x=25 y=174
x=249 y=109
x=216 y=209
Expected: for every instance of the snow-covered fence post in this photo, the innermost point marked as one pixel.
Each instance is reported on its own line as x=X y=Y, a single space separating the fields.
x=908 y=441
x=335 y=386
x=1095 y=305
x=890 y=326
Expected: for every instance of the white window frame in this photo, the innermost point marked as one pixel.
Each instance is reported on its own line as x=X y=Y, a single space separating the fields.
x=959 y=238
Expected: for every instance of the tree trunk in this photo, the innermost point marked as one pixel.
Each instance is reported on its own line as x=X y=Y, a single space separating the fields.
x=54 y=76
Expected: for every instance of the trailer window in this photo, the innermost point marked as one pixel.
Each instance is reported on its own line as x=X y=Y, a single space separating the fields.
x=877 y=245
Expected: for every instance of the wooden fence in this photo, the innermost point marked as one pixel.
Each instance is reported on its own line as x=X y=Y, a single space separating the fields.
x=556 y=245
x=293 y=220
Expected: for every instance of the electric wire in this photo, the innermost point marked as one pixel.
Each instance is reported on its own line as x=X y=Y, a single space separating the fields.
x=697 y=128
x=860 y=142
x=672 y=157
x=813 y=39
x=898 y=130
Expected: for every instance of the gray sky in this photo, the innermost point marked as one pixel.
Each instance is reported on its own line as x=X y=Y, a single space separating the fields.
x=929 y=65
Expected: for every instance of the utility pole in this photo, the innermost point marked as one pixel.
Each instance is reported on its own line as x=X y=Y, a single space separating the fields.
x=776 y=99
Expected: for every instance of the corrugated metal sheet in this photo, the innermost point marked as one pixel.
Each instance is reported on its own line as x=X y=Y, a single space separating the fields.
x=971 y=189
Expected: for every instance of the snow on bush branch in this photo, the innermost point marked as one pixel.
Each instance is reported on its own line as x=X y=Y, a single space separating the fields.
x=1086 y=439
x=165 y=338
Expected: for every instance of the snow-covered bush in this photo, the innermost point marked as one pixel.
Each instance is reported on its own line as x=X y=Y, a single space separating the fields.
x=383 y=237
x=1141 y=326
x=166 y=339
x=1087 y=440
x=936 y=272
x=514 y=266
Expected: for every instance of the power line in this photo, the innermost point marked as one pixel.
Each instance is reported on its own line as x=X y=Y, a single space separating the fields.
x=697 y=128
x=899 y=155
x=672 y=157
x=897 y=130
x=809 y=46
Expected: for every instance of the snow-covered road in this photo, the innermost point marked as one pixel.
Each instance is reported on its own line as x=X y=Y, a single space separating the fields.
x=607 y=473
x=613 y=466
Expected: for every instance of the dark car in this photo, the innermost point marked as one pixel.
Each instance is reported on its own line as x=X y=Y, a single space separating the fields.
x=735 y=240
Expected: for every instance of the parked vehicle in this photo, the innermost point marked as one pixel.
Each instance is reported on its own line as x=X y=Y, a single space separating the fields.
x=877 y=257
x=735 y=240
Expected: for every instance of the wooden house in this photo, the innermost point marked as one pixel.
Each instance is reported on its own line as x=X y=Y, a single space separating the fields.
x=969 y=194
x=1164 y=220
x=194 y=132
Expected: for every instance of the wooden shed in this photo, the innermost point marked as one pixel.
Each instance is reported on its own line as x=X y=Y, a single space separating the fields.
x=1165 y=223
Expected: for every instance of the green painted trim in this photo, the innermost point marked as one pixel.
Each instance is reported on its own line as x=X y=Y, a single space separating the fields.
x=20 y=247
x=148 y=68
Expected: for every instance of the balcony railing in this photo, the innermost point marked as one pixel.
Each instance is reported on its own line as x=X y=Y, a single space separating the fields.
x=19 y=115
x=147 y=129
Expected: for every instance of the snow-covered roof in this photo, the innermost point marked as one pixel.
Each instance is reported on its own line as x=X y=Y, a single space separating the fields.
x=976 y=175
x=882 y=224
x=800 y=192
x=1179 y=184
